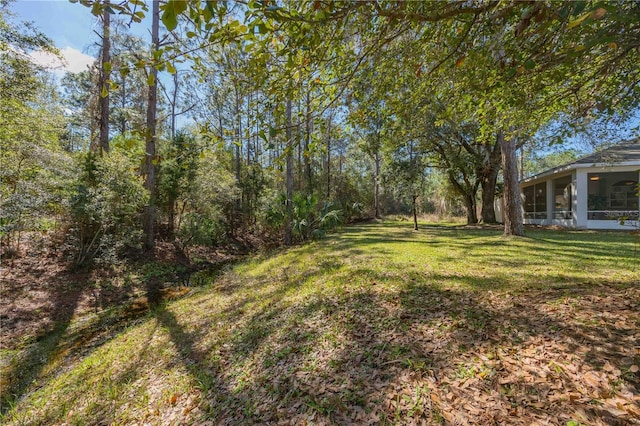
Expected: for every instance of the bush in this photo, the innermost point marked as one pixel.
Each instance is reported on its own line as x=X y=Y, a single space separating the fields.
x=106 y=207
x=308 y=220
x=206 y=203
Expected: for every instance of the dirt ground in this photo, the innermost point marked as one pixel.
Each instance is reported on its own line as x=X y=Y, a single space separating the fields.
x=39 y=289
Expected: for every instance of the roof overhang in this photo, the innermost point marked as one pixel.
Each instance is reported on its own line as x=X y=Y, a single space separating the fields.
x=570 y=167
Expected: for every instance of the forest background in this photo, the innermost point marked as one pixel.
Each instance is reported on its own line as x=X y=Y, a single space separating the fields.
x=205 y=123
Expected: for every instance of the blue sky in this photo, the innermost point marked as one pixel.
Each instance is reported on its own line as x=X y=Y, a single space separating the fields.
x=70 y=25
x=73 y=29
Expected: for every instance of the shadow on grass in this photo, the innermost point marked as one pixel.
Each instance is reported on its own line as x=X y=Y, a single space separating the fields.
x=66 y=336
x=335 y=356
x=25 y=370
x=353 y=353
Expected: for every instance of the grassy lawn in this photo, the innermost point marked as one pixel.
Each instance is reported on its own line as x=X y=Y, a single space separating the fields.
x=378 y=324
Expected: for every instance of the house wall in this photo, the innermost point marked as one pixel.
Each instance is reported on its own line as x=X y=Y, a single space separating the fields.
x=582 y=191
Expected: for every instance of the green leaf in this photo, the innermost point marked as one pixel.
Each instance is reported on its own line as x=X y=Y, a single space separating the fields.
x=169 y=16
x=96 y=10
x=272 y=132
x=209 y=11
x=151 y=80
x=529 y=64
x=191 y=34
x=171 y=68
x=104 y=92
x=179 y=6
x=106 y=66
x=578 y=21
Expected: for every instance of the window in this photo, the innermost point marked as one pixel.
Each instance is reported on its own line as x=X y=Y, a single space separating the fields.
x=562 y=198
x=535 y=201
x=613 y=195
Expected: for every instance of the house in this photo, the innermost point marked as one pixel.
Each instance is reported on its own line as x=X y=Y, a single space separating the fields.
x=594 y=192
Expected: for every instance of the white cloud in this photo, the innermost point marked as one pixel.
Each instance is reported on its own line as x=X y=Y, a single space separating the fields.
x=74 y=61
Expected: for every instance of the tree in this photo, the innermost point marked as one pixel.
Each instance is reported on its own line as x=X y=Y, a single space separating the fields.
x=33 y=167
x=407 y=174
x=150 y=134
x=504 y=69
x=128 y=89
x=81 y=101
x=105 y=75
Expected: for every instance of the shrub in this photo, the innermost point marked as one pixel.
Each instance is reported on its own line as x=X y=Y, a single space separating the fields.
x=206 y=203
x=308 y=220
x=106 y=207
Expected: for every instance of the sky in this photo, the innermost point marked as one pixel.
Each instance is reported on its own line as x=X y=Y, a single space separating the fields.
x=75 y=32
x=72 y=28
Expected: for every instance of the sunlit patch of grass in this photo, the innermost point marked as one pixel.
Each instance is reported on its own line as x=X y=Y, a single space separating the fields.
x=322 y=328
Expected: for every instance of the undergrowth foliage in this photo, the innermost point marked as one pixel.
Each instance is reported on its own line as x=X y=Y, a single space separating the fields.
x=206 y=203
x=309 y=219
x=106 y=205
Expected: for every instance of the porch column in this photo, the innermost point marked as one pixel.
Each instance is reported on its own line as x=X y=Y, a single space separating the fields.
x=581 y=198
x=550 y=202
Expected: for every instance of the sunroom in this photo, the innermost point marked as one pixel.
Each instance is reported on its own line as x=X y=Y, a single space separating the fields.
x=596 y=192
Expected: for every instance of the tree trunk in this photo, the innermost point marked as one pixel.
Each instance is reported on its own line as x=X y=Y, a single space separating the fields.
x=488 y=180
x=238 y=141
x=172 y=219
x=123 y=105
x=470 y=204
x=521 y=162
x=307 y=140
x=328 y=167
x=376 y=178
x=289 y=178
x=150 y=142
x=238 y=160
x=415 y=212
x=105 y=73
x=469 y=197
x=174 y=102
x=512 y=204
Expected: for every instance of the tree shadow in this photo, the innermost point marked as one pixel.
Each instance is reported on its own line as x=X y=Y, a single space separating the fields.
x=352 y=354
x=65 y=337
x=47 y=343
x=376 y=352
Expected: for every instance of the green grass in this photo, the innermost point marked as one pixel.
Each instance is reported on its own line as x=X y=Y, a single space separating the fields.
x=375 y=323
